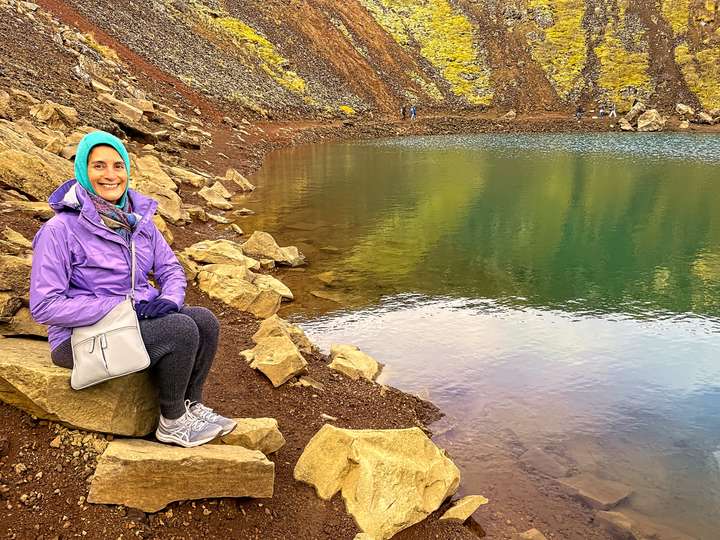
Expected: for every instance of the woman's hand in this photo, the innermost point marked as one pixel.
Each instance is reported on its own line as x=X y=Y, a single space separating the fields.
x=159 y=307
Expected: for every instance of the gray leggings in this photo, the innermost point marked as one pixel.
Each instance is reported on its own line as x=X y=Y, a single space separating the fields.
x=181 y=347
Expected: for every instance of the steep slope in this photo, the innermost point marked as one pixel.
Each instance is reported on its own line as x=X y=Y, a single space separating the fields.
x=292 y=58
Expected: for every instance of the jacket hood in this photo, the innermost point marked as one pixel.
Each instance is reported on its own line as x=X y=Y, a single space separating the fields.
x=72 y=197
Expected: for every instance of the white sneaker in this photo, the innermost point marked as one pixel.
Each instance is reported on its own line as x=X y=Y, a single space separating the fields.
x=186 y=431
x=209 y=415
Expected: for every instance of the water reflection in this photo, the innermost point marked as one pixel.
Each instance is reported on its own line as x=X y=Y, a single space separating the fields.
x=552 y=291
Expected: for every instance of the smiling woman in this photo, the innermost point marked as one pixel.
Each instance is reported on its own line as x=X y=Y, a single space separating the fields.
x=81 y=271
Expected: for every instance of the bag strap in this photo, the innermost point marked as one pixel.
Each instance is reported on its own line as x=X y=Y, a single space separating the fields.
x=132 y=270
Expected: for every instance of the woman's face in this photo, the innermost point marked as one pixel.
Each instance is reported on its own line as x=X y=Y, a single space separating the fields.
x=107 y=174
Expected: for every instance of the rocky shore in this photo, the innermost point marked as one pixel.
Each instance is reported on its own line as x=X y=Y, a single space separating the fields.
x=64 y=473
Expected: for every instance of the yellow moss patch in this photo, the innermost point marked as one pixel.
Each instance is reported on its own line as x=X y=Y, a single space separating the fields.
x=256 y=45
x=347 y=110
x=102 y=50
x=677 y=13
x=701 y=70
x=621 y=69
x=445 y=38
x=562 y=52
x=429 y=87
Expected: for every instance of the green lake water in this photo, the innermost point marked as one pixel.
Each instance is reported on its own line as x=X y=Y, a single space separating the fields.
x=552 y=291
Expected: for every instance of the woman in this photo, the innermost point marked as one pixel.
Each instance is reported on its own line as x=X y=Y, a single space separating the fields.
x=81 y=270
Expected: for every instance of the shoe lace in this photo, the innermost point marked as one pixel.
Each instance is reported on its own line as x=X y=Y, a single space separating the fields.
x=201 y=411
x=188 y=423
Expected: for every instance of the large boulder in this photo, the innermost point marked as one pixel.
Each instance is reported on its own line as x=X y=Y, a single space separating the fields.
x=148 y=177
x=277 y=358
x=650 y=120
x=22 y=324
x=243 y=183
x=390 y=479
x=221 y=252
x=216 y=196
x=36 y=173
x=29 y=381
x=354 y=363
x=262 y=245
x=55 y=116
x=187 y=177
x=265 y=282
x=148 y=475
x=637 y=109
x=15 y=274
x=261 y=434
x=276 y=327
x=121 y=107
x=684 y=110
x=704 y=118
x=10 y=303
x=43 y=137
x=227 y=283
x=148 y=170
x=625 y=125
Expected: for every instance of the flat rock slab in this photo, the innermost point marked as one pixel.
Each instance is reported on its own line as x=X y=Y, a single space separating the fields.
x=148 y=475
x=464 y=508
x=540 y=461
x=596 y=492
x=29 y=381
x=629 y=525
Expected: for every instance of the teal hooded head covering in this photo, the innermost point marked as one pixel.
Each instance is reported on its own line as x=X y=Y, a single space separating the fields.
x=87 y=143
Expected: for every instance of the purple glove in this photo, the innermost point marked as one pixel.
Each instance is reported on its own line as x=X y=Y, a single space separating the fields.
x=155 y=308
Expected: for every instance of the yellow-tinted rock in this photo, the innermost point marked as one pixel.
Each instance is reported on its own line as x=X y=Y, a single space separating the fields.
x=36 y=174
x=187 y=177
x=243 y=183
x=22 y=324
x=55 y=116
x=163 y=228
x=221 y=251
x=277 y=358
x=276 y=327
x=532 y=534
x=390 y=479
x=148 y=475
x=354 y=363
x=650 y=120
x=262 y=245
x=29 y=381
x=226 y=282
x=263 y=281
x=15 y=274
x=464 y=508
x=260 y=434
x=9 y=304
x=40 y=210
x=216 y=196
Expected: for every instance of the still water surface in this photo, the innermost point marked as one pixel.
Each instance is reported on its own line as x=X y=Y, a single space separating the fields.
x=558 y=291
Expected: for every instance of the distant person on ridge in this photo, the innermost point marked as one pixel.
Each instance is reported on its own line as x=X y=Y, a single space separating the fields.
x=613 y=111
x=81 y=270
x=579 y=112
x=413 y=112
x=403 y=112
x=601 y=112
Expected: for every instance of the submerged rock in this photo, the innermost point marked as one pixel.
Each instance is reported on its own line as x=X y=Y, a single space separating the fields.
x=596 y=492
x=390 y=479
x=126 y=467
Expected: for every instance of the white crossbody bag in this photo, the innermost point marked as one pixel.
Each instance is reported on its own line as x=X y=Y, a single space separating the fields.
x=113 y=346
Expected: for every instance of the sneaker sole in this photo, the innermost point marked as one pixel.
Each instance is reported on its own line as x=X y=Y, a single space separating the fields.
x=185 y=444
x=230 y=430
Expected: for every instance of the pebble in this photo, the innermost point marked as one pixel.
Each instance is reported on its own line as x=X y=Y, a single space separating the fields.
x=20 y=468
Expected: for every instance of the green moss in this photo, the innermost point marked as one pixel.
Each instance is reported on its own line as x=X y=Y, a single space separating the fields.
x=677 y=13
x=561 y=51
x=445 y=38
x=622 y=69
x=701 y=70
x=258 y=46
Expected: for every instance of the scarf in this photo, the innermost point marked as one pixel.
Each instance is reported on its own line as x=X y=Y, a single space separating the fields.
x=119 y=220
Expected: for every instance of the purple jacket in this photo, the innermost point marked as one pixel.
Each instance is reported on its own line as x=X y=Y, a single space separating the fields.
x=81 y=269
